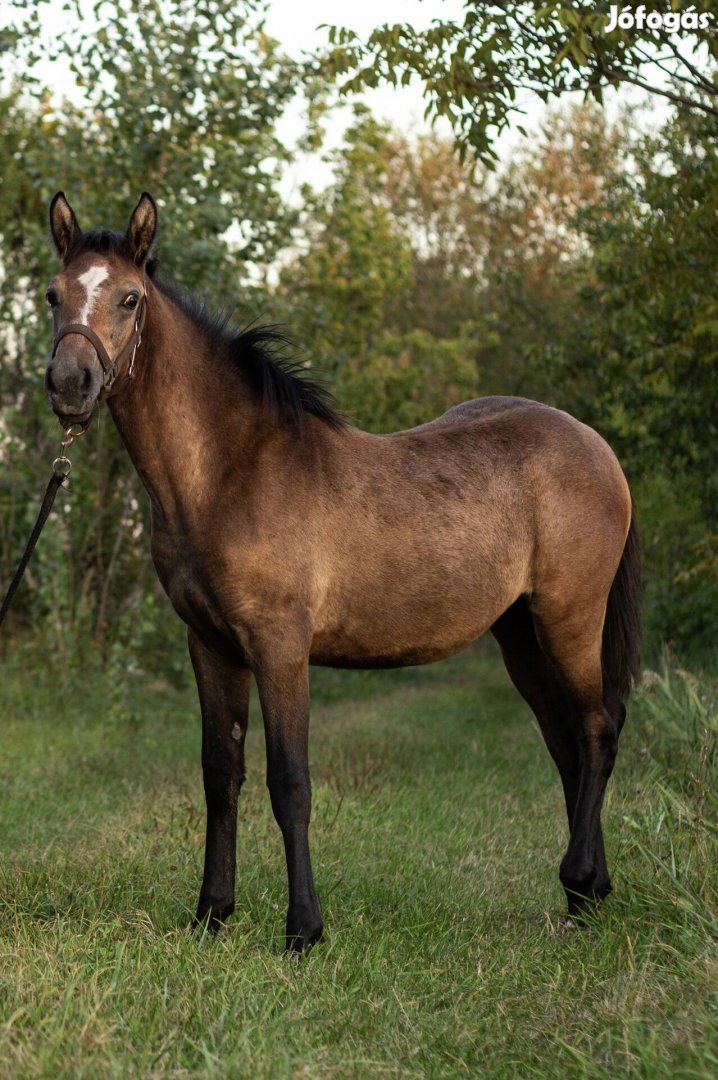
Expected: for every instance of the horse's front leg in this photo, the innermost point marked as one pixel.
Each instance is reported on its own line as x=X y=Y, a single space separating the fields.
x=283 y=683
x=224 y=698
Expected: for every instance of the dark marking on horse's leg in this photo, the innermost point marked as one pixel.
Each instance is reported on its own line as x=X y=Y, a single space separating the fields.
x=224 y=698
x=581 y=865
x=284 y=693
x=574 y=645
x=538 y=682
x=617 y=714
x=600 y=731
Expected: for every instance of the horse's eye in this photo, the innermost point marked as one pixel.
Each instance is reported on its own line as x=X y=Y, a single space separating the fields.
x=131 y=301
x=52 y=298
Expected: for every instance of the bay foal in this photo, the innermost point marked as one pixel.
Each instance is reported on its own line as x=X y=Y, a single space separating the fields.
x=285 y=537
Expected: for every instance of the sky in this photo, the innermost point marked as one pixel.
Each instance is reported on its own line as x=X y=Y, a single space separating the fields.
x=297 y=26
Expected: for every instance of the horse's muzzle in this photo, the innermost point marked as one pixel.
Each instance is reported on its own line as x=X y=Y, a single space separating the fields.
x=73 y=383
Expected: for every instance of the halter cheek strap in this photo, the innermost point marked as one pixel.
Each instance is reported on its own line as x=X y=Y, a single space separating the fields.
x=111 y=368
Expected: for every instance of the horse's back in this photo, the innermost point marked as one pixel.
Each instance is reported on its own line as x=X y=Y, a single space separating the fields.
x=480 y=408
x=513 y=434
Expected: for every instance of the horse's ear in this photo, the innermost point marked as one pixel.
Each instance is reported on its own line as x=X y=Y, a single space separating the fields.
x=63 y=224
x=142 y=228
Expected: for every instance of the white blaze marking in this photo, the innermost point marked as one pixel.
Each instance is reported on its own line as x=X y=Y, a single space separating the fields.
x=91 y=279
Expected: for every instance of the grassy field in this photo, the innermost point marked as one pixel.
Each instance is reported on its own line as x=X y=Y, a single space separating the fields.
x=437 y=833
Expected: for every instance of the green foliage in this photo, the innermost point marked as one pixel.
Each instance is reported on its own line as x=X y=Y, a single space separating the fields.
x=475 y=72
x=648 y=334
x=178 y=99
x=359 y=275
x=354 y=259
x=409 y=378
x=537 y=257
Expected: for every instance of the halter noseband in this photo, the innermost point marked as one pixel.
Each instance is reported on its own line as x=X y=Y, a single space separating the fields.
x=110 y=367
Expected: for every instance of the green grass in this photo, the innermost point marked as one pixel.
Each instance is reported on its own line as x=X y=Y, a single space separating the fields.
x=437 y=833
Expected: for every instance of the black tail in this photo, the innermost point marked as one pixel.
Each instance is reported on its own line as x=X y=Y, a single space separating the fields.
x=621 y=651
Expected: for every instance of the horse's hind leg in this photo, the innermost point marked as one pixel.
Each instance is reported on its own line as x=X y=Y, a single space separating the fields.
x=224 y=698
x=538 y=683
x=572 y=637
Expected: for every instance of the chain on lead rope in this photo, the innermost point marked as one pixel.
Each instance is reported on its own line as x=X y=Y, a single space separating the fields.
x=62 y=465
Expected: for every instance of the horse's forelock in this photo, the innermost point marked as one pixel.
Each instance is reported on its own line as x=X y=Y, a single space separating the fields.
x=101 y=242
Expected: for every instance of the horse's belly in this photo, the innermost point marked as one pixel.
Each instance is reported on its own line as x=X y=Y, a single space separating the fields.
x=355 y=655
x=399 y=631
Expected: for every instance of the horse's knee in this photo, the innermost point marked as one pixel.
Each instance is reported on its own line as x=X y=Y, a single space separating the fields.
x=291 y=795
x=221 y=787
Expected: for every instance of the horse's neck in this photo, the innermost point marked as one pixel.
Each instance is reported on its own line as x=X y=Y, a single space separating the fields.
x=177 y=415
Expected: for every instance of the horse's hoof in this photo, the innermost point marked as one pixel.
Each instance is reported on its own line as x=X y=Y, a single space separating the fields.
x=582 y=903
x=302 y=942
x=212 y=917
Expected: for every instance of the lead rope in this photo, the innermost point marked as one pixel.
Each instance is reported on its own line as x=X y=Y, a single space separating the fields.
x=60 y=471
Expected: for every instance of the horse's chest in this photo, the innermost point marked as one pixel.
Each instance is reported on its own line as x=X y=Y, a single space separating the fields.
x=190 y=585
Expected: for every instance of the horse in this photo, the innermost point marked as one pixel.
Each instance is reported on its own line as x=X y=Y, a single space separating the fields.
x=286 y=537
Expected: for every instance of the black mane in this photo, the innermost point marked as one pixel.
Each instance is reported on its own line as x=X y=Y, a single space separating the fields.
x=263 y=354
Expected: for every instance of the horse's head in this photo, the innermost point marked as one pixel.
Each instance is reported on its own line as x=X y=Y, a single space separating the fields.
x=98 y=305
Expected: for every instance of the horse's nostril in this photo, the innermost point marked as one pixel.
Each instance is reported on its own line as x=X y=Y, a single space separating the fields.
x=72 y=382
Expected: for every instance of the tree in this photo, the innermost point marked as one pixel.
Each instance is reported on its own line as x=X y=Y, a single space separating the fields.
x=538 y=256
x=642 y=359
x=353 y=276
x=411 y=249
x=475 y=71
x=443 y=208
x=178 y=98
x=354 y=258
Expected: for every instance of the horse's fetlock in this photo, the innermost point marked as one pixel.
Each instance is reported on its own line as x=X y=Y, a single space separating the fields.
x=577 y=876
x=304 y=929
x=212 y=913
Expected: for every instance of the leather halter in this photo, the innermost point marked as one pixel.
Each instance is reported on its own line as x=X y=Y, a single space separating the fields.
x=110 y=367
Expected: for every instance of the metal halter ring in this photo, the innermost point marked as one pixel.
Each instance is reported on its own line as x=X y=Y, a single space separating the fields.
x=61 y=466
x=72 y=434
